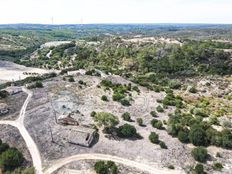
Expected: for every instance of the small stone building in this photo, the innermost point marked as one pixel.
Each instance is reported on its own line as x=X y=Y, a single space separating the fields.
x=80 y=135
x=3 y=109
x=67 y=120
x=12 y=90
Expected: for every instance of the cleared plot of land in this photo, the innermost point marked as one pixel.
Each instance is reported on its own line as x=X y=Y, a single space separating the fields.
x=14 y=104
x=11 y=72
x=40 y=122
x=54 y=44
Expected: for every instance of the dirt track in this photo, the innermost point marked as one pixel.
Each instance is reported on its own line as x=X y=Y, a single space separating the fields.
x=94 y=156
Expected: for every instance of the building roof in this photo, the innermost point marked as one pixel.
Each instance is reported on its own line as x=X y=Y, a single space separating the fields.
x=13 y=89
x=81 y=135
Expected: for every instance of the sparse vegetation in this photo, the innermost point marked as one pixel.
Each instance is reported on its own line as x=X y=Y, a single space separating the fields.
x=127 y=131
x=105 y=167
x=154 y=138
x=126 y=116
x=217 y=166
x=200 y=154
x=139 y=121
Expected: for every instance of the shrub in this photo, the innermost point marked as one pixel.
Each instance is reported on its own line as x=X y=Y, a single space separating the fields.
x=174 y=84
x=126 y=116
x=197 y=136
x=3 y=147
x=106 y=119
x=200 y=112
x=39 y=84
x=127 y=131
x=226 y=136
x=199 y=169
x=183 y=136
x=104 y=98
x=102 y=167
x=118 y=97
x=159 y=109
x=218 y=155
x=200 y=154
x=81 y=82
x=163 y=145
x=227 y=124
x=139 y=121
x=193 y=90
x=125 y=102
x=171 y=167
x=11 y=159
x=217 y=166
x=3 y=94
x=93 y=114
x=71 y=79
x=157 y=124
x=135 y=88
x=154 y=138
x=153 y=113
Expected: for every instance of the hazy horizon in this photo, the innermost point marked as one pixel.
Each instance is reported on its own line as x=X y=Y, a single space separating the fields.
x=115 y=12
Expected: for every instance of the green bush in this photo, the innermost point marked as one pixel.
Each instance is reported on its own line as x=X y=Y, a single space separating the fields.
x=103 y=167
x=71 y=79
x=174 y=84
x=193 y=90
x=139 y=121
x=153 y=113
x=106 y=119
x=159 y=109
x=197 y=136
x=171 y=167
x=3 y=147
x=199 y=169
x=104 y=98
x=81 y=82
x=118 y=97
x=157 y=124
x=11 y=159
x=217 y=166
x=93 y=114
x=3 y=94
x=154 y=138
x=163 y=145
x=126 y=116
x=127 y=131
x=125 y=102
x=38 y=84
x=183 y=136
x=226 y=136
x=200 y=154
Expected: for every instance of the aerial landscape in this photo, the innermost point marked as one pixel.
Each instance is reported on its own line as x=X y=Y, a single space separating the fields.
x=123 y=96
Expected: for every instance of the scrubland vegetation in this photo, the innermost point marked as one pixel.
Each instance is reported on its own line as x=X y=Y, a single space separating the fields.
x=187 y=111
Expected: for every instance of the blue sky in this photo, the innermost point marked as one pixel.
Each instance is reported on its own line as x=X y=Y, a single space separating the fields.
x=115 y=11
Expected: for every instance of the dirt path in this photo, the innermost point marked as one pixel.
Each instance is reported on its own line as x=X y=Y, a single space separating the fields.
x=94 y=156
x=19 y=124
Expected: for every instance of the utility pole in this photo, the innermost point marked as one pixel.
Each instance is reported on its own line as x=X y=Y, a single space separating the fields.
x=51 y=134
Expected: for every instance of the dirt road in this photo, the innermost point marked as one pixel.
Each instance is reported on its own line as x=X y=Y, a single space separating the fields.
x=19 y=124
x=94 y=156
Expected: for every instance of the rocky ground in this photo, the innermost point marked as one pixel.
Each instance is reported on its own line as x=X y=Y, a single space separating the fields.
x=15 y=103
